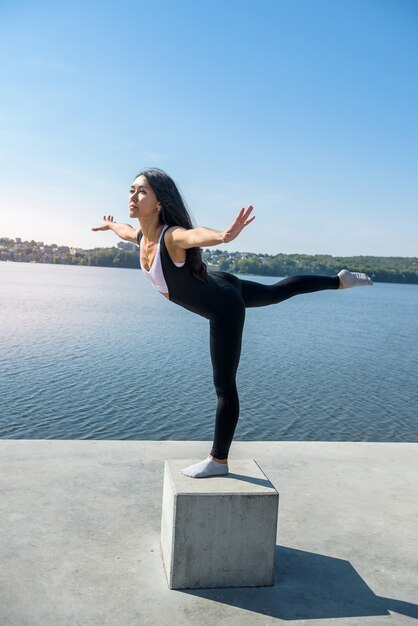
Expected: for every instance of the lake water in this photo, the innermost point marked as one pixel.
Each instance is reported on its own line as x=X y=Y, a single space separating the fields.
x=97 y=353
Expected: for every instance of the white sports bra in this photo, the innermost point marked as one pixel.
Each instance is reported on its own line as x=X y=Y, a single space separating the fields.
x=155 y=273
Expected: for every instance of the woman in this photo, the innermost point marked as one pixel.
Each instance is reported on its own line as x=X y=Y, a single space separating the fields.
x=171 y=258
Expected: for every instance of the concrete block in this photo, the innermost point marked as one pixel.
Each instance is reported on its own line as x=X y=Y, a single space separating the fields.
x=218 y=531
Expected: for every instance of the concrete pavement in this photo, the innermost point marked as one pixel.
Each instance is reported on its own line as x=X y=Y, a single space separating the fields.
x=80 y=535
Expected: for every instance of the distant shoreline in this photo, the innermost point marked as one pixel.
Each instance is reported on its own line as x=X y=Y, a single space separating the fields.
x=403 y=270
x=214 y=268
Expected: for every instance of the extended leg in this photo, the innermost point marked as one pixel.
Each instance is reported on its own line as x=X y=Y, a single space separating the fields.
x=256 y=294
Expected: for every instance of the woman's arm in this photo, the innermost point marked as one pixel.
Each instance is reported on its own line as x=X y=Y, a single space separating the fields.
x=202 y=236
x=196 y=237
x=124 y=231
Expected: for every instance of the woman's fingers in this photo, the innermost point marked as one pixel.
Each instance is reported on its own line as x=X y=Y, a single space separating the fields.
x=244 y=213
x=239 y=223
x=242 y=217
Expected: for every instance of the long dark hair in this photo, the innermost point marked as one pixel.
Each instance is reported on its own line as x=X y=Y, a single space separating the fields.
x=174 y=213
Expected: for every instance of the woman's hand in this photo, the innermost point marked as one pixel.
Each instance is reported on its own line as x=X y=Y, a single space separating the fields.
x=236 y=227
x=105 y=224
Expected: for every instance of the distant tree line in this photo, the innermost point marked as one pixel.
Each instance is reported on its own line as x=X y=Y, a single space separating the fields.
x=381 y=269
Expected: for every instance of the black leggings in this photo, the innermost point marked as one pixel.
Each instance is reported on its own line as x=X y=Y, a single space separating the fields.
x=226 y=336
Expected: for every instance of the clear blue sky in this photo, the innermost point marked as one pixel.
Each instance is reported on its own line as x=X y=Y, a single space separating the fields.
x=306 y=109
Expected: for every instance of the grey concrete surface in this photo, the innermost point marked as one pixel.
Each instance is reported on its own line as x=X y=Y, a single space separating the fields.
x=200 y=546
x=80 y=530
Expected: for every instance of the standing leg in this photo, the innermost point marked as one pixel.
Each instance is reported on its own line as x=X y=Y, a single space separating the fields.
x=225 y=349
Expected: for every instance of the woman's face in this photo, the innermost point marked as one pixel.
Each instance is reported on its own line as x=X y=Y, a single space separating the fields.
x=142 y=200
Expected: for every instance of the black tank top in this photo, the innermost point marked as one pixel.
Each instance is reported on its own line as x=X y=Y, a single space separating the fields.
x=185 y=290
